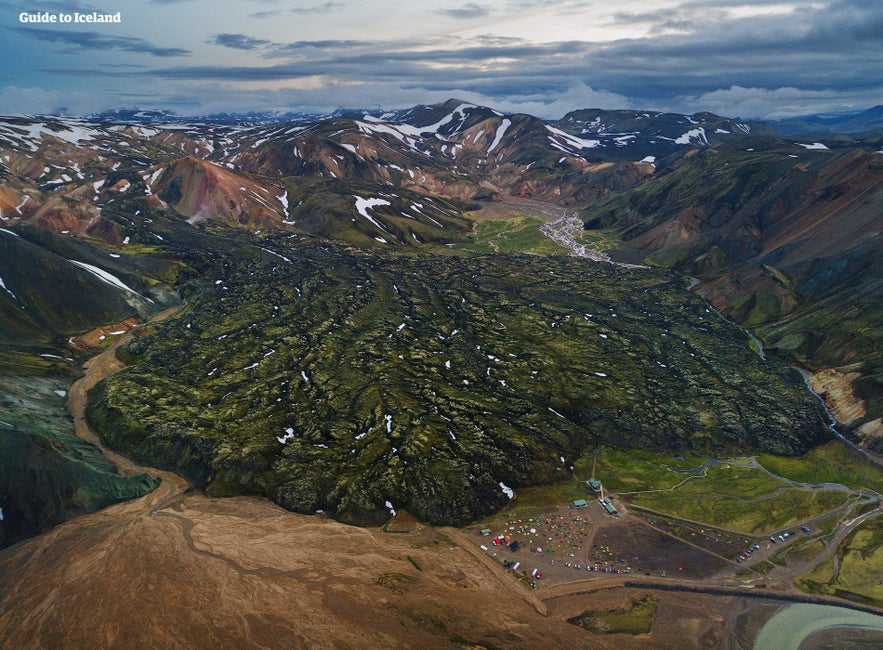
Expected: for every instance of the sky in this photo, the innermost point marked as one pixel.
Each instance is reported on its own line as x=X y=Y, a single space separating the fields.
x=751 y=59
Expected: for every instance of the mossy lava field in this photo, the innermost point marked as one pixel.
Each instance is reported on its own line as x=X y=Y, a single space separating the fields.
x=331 y=378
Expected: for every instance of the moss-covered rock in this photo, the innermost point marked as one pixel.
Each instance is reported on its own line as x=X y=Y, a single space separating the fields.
x=330 y=378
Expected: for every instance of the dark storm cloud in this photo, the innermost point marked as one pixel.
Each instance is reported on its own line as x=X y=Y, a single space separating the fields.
x=98 y=41
x=238 y=41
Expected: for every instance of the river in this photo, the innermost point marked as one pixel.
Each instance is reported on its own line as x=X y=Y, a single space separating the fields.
x=796 y=623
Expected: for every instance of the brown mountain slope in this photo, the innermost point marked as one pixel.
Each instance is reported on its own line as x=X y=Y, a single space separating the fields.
x=785 y=240
x=200 y=190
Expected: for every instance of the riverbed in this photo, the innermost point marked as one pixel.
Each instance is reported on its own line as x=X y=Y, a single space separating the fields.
x=794 y=626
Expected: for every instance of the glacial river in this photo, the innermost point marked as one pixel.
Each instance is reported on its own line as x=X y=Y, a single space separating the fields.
x=796 y=623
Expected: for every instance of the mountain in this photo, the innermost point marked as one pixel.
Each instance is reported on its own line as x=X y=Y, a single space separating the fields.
x=784 y=238
x=54 y=291
x=330 y=276
x=858 y=122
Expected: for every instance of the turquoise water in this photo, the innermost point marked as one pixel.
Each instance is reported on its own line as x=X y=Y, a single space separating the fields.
x=788 y=628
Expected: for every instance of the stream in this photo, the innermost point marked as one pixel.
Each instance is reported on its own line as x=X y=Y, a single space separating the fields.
x=832 y=422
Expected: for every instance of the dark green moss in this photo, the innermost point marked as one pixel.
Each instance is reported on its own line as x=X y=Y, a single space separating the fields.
x=426 y=381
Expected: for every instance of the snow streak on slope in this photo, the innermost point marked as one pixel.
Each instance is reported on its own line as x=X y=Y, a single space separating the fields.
x=693 y=135
x=565 y=142
x=107 y=277
x=501 y=130
x=460 y=110
x=362 y=205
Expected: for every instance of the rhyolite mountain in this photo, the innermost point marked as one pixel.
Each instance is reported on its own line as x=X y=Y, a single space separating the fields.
x=334 y=313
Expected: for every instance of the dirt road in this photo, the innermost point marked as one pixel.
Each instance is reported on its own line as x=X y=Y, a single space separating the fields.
x=97 y=368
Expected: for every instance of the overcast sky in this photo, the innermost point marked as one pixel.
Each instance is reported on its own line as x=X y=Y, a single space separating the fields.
x=758 y=58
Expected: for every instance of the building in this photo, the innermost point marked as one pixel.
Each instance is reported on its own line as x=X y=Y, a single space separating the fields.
x=595 y=484
x=579 y=503
x=608 y=506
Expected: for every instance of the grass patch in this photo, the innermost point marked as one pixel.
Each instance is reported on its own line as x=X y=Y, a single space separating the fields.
x=393 y=581
x=631 y=470
x=429 y=622
x=414 y=562
x=447 y=540
x=833 y=462
x=859 y=565
x=709 y=503
x=517 y=233
x=730 y=495
x=635 y=620
x=545 y=497
x=764 y=567
x=24 y=363
x=597 y=239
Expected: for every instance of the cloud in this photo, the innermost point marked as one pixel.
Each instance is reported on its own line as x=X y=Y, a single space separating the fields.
x=238 y=41
x=750 y=58
x=386 y=60
x=323 y=8
x=216 y=98
x=52 y=6
x=554 y=105
x=467 y=11
x=97 y=41
x=36 y=101
x=323 y=45
x=737 y=101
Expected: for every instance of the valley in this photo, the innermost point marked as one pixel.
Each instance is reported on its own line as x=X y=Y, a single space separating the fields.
x=428 y=323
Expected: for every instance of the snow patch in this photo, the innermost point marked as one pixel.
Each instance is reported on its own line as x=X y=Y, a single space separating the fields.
x=501 y=130
x=362 y=206
x=7 y=289
x=697 y=135
x=107 y=277
x=509 y=492
x=572 y=140
x=815 y=145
